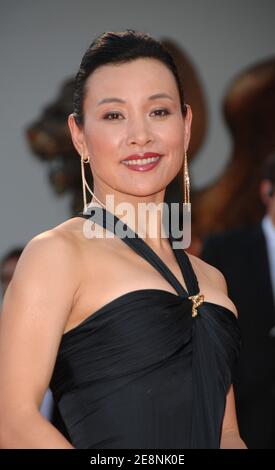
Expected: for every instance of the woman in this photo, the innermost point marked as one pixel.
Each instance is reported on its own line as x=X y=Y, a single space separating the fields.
x=135 y=355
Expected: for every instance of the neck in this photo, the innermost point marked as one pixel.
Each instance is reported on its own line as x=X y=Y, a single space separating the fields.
x=144 y=215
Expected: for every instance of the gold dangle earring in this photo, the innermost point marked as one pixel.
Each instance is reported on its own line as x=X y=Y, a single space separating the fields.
x=186 y=184
x=197 y=299
x=85 y=185
x=186 y=208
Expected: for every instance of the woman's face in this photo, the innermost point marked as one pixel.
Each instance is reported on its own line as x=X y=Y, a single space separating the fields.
x=123 y=116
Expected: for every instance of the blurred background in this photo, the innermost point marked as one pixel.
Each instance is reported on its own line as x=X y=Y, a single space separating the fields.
x=226 y=57
x=41 y=46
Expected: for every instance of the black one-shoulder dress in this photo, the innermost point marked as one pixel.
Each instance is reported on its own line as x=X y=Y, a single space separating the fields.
x=148 y=370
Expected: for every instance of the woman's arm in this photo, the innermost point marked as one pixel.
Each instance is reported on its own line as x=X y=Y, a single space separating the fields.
x=231 y=438
x=218 y=293
x=35 y=310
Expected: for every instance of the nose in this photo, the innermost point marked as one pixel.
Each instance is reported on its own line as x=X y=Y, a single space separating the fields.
x=138 y=132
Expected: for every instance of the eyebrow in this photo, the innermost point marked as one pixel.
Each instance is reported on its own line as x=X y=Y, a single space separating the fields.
x=119 y=100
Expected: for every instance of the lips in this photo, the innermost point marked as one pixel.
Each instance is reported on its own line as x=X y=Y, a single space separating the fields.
x=142 y=162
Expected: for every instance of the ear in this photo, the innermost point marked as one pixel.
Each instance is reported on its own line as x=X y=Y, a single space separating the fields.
x=77 y=135
x=187 y=126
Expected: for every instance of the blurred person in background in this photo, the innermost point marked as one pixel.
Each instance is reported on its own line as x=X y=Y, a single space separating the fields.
x=7 y=267
x=246 y=257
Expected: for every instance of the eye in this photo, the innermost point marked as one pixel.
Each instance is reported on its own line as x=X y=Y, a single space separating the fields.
x=161 y=112
x=110 y=116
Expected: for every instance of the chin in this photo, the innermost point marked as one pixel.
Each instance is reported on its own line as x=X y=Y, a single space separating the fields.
x=143 y=191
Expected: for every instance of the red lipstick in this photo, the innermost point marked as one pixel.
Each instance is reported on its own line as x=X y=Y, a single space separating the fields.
x=142 y=162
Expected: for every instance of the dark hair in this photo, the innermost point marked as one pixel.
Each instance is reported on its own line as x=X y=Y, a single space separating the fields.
x=115 y=48
x=268 y=169
x=14 y=253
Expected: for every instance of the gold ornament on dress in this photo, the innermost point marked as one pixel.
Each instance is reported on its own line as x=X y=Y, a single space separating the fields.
x=197 y=300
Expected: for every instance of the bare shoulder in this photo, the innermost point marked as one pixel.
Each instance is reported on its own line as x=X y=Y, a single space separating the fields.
x=214 y=274
x=61 y=249
x=62 y=240
x=42 y=291
x=49 y=263
x=52 y=246
x=35 y=311
x=210 y=275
